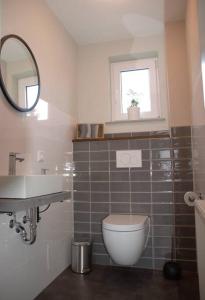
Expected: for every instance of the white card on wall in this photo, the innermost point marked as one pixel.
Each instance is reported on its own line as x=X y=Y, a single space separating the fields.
x=129 y=159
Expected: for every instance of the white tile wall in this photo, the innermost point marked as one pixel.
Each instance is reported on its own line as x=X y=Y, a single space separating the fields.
x=26 y=270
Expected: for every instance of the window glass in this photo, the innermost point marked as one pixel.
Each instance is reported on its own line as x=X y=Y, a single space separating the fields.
x=135 y=85
x=31 y=94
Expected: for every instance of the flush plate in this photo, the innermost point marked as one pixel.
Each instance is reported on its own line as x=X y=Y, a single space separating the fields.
x=129 y=159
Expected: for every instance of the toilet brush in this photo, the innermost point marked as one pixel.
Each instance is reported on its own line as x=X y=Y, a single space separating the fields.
x=172 y=269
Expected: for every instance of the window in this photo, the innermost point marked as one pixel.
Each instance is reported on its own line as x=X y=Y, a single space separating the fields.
x=27 y=91
x=137 y=80
x=31 y=94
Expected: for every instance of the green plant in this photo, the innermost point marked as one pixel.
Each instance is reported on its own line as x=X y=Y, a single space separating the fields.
x=134 y=102
x=134 y=97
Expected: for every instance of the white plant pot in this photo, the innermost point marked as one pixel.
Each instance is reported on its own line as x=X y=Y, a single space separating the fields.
x=133 y=113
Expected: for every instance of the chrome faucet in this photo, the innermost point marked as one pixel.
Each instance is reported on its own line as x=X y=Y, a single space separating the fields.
x=12 y=162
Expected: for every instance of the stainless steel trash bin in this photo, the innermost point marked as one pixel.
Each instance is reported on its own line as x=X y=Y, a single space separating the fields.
x=81 y=257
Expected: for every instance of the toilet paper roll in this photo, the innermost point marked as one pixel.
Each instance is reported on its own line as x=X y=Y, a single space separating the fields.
x=190 y=198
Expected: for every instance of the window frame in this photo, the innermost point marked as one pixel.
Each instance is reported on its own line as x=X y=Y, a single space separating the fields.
x=132 y=65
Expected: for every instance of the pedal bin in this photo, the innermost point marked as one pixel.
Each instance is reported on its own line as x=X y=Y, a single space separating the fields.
x=81 y=257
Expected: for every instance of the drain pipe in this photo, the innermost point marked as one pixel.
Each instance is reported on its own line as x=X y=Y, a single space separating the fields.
x=31 y=217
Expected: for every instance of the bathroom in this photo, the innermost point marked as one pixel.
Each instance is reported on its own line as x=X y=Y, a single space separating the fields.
x=78 y=47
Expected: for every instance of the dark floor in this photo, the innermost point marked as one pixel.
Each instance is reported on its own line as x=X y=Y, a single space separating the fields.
x=106 y=283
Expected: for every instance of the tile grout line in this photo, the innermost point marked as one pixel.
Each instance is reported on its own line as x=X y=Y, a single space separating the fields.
x=89 y=167
x=173 y=201
x=130 y=187
x=151 y=200
x=109 y=188
x=145 y=149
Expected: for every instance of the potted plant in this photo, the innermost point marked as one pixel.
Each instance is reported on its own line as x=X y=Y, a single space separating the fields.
x=133 y=111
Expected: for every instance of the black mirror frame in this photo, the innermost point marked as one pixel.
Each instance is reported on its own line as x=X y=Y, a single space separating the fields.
x=2 y=85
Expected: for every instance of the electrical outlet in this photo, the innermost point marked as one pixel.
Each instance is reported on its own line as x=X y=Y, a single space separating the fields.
x=40 y=156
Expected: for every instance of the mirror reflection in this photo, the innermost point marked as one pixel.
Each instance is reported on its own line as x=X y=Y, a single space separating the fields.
x=19 y=74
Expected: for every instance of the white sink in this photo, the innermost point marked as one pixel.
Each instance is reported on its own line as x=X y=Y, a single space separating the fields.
x=20 y=186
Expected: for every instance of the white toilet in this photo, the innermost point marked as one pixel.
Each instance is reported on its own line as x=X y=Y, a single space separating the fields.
x=124 y=237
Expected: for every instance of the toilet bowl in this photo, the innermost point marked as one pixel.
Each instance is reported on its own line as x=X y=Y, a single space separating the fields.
x=124 y=237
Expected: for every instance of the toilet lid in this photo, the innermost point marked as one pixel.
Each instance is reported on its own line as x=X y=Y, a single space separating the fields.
x=124 y=222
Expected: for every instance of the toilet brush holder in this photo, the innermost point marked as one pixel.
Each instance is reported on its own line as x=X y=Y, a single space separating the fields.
x=172 y=270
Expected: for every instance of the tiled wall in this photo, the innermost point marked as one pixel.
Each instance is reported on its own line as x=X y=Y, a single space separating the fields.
x=156 y=190
x=198 y=144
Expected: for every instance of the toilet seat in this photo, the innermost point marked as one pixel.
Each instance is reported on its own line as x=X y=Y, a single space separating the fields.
x=124 y=223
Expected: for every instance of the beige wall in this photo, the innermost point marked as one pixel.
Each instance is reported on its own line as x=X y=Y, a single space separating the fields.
x=194 y=55
x=178 y=75
x=198 y=110
x=0 y=15
x=202 y=39
x=94 y=99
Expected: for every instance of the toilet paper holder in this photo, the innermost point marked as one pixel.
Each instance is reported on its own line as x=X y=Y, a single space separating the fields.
x=191 y=197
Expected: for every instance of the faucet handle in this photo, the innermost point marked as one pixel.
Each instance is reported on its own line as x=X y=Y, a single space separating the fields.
x=44 y=171
x=14 y=153
x=20 y=159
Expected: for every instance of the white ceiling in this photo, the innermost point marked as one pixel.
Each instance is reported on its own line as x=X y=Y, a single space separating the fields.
x=93 y=21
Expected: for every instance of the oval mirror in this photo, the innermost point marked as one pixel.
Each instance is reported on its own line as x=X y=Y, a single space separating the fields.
x=19 y=74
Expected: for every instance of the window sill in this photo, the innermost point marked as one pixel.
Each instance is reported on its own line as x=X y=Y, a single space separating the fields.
x=136 y=121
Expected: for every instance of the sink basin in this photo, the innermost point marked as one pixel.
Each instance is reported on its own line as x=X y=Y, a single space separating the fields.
x=27 y=186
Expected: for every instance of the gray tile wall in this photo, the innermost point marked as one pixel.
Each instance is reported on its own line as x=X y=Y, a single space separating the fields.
x=156 y=190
